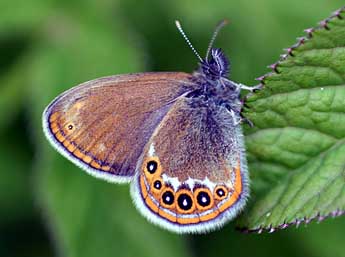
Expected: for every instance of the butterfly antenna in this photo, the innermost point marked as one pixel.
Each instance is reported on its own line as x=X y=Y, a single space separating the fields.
x=179 y=27
x=219 y=26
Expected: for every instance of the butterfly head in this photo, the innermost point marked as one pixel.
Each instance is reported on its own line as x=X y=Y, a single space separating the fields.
x=216 y=66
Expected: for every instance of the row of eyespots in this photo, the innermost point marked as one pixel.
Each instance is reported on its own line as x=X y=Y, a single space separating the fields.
x=185 y=200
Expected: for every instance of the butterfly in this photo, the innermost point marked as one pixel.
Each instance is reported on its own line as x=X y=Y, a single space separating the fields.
x=176 y=137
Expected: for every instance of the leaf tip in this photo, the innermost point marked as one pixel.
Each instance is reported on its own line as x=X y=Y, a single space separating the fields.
x=290 y=49
x=338 y=12
x=324 y=24
x=274 y=67
x=309 y=32
x=261 y=79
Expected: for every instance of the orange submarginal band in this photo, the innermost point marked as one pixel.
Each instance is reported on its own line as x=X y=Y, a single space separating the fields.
x=53 y=117
x=237 y=191
x=59 y=137
x=167 y=215
x=151 y=204
x=188 y=220
x=66 y=143
x=87 y=159
x=146 y=196
x=210 y=215
x=54 y=127
x=105 y=168
x=143 y=187
x=95 y=165
x=69 y=146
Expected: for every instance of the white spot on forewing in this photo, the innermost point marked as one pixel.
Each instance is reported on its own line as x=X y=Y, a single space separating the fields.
x=151 y=150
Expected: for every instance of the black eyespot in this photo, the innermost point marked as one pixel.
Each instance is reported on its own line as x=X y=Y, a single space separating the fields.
x=220 y=192
x=151 y=166
x=203 y=199
x=70 y=127
x=168 y=198
x=185 y=202
x=157 y=184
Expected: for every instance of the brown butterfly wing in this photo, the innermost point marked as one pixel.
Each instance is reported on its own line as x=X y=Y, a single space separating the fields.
x=192 y=176
x=103 y=125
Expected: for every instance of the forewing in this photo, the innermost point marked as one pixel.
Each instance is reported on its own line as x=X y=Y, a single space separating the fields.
x=192 y=176
x=103 y=125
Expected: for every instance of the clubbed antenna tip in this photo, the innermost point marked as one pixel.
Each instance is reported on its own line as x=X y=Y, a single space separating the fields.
x=179 y=27
x=219 y=26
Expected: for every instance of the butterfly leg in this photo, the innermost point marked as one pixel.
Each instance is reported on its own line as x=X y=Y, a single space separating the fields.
x=246 y=120
x=239 y=118
x=235 y=117
x=243 y=118
x=251 y=89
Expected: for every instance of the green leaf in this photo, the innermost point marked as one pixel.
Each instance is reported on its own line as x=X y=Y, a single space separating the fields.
x=20 y=15
x=297 y=148
x=11 y=92
x=15 y=157
x=87 y=217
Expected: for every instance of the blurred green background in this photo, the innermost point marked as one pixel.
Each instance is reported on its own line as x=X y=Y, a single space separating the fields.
x=48 y=207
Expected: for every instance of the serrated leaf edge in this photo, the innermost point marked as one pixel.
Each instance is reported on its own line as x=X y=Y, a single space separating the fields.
x=289 y=52
x=274 y=67
x=270 y=229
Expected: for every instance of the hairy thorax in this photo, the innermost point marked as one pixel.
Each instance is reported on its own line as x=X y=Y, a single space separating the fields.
x=215 y=93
